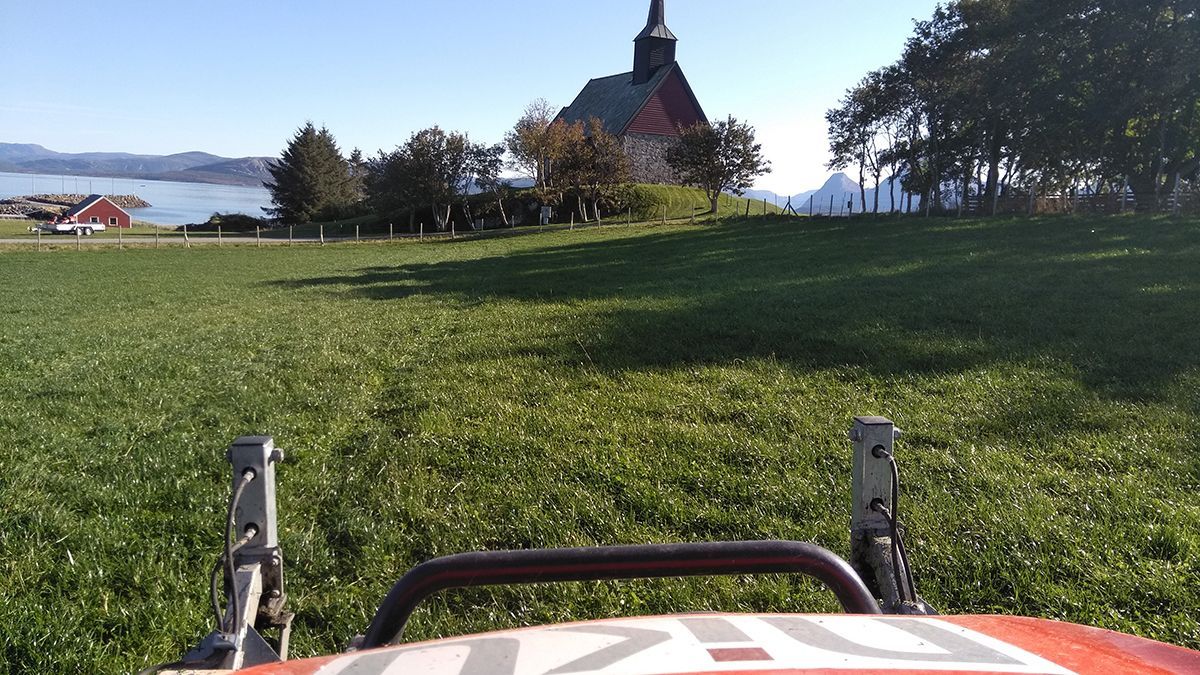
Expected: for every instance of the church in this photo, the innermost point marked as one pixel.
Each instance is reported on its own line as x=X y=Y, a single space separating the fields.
x=644 y=108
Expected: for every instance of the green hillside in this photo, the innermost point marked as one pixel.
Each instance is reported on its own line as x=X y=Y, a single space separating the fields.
x=606 y=386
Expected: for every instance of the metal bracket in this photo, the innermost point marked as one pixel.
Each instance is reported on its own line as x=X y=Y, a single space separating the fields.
x=257 y=509
x=872 y=478
x=870 y=534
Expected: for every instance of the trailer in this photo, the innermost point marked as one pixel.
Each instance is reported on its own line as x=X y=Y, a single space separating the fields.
x=70 y=227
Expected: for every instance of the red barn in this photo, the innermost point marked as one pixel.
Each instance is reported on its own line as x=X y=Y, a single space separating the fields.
x=646 y=107
x=98 y=209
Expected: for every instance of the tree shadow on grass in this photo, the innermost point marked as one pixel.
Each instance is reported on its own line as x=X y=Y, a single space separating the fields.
x=1117 y=300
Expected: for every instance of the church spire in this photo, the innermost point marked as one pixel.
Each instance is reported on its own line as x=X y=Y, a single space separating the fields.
x=654 y=47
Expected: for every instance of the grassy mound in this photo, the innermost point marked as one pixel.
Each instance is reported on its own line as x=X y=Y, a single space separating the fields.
x=683 y=202
x=600 y=387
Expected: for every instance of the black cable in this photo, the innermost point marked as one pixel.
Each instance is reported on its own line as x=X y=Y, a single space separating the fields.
x=907 y=589
x=247 y=476
x=912 y=587
x=899 y=536
x=214 y=597
x=894 y=531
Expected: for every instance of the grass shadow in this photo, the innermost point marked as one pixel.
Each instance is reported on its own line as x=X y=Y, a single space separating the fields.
x=1115 y=299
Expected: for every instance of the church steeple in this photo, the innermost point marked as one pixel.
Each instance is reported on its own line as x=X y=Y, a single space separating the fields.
x=654 y=47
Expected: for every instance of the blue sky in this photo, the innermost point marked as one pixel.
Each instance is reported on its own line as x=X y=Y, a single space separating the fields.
x=237 y=77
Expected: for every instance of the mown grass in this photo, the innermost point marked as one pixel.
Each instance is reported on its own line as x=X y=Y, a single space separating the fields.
x=600 y=387
x=20 y=228
x=685 y=202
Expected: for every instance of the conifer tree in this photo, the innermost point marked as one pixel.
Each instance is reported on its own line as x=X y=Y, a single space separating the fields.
x=311 y=179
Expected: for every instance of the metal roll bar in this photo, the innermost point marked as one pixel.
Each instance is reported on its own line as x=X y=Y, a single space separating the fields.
x=614 y=563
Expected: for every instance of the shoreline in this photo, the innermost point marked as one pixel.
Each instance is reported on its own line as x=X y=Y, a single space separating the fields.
x=28 y=206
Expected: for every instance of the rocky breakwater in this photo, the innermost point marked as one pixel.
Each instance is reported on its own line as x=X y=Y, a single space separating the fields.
x=50 y=205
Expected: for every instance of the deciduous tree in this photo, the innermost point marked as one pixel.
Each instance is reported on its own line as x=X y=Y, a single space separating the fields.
x=536 y=143
x=593 y=165
x=433 y=170
x=719 y=157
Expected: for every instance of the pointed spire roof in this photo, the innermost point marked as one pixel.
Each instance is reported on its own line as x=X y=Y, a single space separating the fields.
x=656 y=23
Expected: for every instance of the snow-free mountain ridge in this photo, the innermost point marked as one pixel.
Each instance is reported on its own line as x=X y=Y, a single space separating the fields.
x=188 y=167
x=838 y=191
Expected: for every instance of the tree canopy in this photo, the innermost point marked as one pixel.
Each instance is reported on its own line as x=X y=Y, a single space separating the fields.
x=718 y=157
x=592 y=165
x=432 y=172
x=311 y=180
x=1011 y=97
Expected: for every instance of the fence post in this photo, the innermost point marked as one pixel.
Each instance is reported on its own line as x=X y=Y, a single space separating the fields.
x=572 y=220
x=422 y=231
x=764 y=207
x=39 y=232
x=664 y=220
x=830 y=206
x=120 y=239
x=357 y=239
x=629 y=216
x=391 y=231
x=1175 y=210
x=290 y=232
x=322 y=234
x=1124 y=193
x=156 y=231
x=78 y=239
x=453 y=230
x=258 y=236
x=220 y=242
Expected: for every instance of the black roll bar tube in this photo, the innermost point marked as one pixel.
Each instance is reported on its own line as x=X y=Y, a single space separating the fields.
x=614 y=563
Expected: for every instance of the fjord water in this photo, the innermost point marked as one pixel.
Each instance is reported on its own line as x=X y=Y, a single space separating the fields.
x=172 y=203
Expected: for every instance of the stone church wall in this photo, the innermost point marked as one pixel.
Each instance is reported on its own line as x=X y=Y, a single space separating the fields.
x=648 y=158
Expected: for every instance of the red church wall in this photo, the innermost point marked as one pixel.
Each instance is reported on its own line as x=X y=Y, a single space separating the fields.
x=669 y=109
x=104 y=211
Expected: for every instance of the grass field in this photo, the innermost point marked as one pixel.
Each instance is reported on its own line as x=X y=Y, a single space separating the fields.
x=600 y=387
x=15 y=228
x=681 y=203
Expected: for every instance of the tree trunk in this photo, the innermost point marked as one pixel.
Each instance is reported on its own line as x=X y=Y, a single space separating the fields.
x=503 y=215
x=966 y=188
x=992 y=190
x=892 y=192
x=714 y=199
x=877 y=184
x=862 y=188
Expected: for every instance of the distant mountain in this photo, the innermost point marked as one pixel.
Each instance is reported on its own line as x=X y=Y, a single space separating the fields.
x=838 y=191
x=193 y=167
